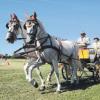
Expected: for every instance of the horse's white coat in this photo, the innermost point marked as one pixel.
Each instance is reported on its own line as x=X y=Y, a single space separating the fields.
x=51 y=55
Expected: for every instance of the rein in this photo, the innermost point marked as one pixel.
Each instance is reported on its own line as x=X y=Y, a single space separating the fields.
x=20 y=38
x=24 y=47
x=42 y=47
x=31 y=46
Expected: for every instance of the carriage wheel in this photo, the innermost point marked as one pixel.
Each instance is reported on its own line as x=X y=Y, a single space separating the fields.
x=95 y=72
x=65 y=70
x=82 y=71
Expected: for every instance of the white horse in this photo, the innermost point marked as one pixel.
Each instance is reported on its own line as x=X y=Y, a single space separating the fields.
x=15 y=27
x=51 y=50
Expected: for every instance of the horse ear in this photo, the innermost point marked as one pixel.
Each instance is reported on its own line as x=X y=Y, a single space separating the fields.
x=35 y=15
x=7 y=25
x=24 y=26
x=14 y=15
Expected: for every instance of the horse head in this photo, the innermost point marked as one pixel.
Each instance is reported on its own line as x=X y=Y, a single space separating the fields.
x=33 y=26
x=13 y=26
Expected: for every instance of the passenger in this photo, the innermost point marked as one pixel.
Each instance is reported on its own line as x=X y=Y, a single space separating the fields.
x=83 y=41
x=96 y=45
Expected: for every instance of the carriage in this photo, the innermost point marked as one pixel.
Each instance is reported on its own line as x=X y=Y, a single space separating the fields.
x=90 y=62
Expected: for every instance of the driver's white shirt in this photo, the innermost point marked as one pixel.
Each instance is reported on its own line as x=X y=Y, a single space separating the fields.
x=83 y=41
x=96 y=47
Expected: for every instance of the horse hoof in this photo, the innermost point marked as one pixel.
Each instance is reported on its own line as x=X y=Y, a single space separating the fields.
x=34 y=83
x=42 y=88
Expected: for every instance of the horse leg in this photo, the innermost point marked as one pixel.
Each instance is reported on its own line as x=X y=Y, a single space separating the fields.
x=36 y=64
x=67 y=71
x=42 y=87
x=50 y=74
x=26 y=66
x=55 y=65
x=74 y=72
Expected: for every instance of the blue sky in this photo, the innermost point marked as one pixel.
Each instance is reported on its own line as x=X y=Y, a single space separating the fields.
x=62 y=18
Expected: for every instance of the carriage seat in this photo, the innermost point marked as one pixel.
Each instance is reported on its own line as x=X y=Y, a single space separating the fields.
x=87 y=54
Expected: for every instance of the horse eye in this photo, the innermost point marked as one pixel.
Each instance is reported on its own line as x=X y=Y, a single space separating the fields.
x=16 y=26
x=29 y=23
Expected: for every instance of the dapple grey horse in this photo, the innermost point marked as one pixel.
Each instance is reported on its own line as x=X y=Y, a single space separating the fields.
x=51 y=50
x=15 y=27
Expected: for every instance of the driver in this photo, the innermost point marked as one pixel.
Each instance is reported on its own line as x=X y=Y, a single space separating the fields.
x=83 y=41
x=96 y=45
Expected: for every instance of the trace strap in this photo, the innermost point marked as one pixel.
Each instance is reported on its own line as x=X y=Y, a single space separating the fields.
x=24 y=47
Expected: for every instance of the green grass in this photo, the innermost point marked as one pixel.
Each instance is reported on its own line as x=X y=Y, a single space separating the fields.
x=13 y=86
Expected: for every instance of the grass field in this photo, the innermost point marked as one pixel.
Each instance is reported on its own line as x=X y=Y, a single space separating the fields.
x=13 y=86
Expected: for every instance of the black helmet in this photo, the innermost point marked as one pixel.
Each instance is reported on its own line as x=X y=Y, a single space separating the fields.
x=83 y=33
x=96 y=38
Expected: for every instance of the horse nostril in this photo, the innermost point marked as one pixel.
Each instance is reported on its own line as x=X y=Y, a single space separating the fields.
x=8 y=39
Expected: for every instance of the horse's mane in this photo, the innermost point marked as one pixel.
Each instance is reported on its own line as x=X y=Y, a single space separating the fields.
x=41 y=25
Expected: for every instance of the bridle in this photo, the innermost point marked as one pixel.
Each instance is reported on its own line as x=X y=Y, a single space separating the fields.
x=16 y=27
x=33 y=34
